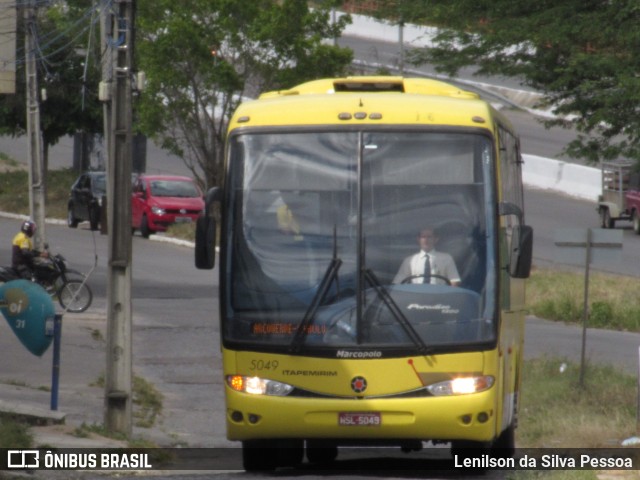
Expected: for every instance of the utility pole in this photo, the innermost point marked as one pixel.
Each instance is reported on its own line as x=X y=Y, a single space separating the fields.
x=8 y=56
x=105 y=89
x=36 y=167
x=401 y=45
x=118 y=382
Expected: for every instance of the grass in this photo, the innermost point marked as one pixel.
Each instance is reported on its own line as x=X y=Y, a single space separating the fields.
x=14 y=191
x=8 y=162
x=558 y=295
x=184 y=231
x=556 y=412
x=147 y=401
x=14 y=434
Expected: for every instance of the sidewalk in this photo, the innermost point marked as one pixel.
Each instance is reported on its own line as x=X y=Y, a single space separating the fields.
x=26 y=380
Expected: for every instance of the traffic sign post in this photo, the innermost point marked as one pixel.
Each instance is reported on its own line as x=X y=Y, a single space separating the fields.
x=55 y=365
x=588 y=247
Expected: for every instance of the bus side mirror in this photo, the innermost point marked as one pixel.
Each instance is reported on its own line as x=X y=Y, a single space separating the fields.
x=205 y=243
x=521 y=251
x=205 y=251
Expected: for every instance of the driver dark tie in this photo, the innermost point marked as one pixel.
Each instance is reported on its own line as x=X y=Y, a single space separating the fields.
x=427 y=269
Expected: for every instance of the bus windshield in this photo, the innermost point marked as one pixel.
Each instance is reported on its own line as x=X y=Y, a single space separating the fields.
x=326 y=240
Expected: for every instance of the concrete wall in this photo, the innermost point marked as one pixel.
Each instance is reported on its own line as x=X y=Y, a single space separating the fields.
x=570 y=178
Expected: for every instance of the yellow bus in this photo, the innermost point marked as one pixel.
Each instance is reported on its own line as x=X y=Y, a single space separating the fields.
x=334 y=329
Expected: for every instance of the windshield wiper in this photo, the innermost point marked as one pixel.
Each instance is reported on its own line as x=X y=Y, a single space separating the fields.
x=383 y=294
x=329 y=275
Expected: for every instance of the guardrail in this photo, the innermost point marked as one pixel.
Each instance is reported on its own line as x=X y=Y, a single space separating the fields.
x=570 y=178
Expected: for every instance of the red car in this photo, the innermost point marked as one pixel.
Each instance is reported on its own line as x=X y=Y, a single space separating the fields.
x=161 y=200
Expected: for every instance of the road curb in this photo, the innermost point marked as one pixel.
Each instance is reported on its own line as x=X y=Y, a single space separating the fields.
x=31 y=414
x=57 y=221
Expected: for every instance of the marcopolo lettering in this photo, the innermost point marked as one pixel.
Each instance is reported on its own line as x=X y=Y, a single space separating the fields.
x=356 y=354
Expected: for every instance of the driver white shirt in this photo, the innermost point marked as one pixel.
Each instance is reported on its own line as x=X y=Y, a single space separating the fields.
x=442 y=264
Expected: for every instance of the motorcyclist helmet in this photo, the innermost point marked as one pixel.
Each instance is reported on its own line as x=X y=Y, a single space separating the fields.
x=28 y=228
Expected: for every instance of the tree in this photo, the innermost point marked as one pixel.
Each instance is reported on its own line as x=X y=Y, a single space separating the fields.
x=68 y=70
x=580 y=53
x=202 y=57
x=393 y=11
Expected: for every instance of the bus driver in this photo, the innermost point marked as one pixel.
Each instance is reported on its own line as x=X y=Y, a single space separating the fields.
x=428 y=265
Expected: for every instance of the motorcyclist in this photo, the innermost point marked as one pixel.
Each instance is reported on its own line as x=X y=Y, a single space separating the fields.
x=22 y=251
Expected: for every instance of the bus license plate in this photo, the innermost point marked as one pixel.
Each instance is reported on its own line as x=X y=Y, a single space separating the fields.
x=359 y=419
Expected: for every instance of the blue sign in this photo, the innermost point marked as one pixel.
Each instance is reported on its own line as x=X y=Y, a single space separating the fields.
x=30 y=312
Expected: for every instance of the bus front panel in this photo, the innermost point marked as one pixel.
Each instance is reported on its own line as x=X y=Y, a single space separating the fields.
x=402 y=398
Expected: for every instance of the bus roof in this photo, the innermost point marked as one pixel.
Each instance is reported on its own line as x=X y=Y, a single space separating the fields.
x=375 y=84
x=367 y=99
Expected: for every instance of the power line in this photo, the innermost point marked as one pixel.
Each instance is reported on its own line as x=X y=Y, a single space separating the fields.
x=85 y=23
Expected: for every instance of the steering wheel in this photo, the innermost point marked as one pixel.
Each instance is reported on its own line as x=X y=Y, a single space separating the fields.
x=339 y=330
x=411 y=277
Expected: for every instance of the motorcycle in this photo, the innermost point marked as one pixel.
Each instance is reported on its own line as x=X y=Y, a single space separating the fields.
x=66 y=285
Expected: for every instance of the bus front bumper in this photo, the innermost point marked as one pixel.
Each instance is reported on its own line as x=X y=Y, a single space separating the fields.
x=464 y=417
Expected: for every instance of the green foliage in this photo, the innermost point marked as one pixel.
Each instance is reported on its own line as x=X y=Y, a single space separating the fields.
x=413 y=11
x=580 y=53
x=148 y=402
x=14 y=434
x=63 y=52
x=201 y=57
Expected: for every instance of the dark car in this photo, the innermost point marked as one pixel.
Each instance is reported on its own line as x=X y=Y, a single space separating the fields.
x=85 y=199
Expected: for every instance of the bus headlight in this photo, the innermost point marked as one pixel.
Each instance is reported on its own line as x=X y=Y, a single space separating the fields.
x=462 y=386
x=258 y=386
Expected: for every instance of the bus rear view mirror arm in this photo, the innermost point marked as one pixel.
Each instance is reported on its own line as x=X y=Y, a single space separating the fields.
x=521 y=242
x=205 y=250
x=508 y=208
x=521 y=251
x=214 y=194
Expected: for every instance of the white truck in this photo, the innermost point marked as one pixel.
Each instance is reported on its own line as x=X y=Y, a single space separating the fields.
x=620 y=197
